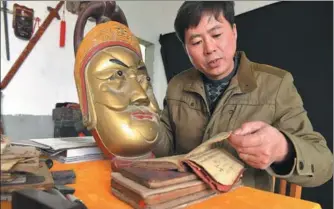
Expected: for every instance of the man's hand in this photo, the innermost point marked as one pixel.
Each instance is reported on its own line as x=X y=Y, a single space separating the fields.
x=259 y=144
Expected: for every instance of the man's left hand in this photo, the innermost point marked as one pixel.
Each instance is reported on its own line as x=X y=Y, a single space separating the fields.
x=259 y=144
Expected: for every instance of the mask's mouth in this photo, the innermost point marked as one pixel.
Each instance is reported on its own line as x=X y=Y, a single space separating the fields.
x=140 y=115
x=144 y=122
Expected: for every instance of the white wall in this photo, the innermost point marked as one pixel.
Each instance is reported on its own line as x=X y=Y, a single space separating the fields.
x=46 y=76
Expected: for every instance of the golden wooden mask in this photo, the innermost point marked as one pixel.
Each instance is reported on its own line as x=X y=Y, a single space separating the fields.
x=115 y=93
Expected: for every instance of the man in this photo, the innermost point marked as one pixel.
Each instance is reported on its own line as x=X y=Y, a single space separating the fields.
x=225 y=91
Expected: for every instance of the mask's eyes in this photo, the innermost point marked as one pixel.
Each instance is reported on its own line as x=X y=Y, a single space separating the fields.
x=142 y=67
x=119 y=73
x=143 y=78
x=116 y=75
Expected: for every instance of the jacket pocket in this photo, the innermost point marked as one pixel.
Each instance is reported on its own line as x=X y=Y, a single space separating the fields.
x=251 y=112
x=188 y=124
x=191 y=102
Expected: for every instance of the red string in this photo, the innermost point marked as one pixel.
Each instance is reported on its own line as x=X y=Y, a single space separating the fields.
x=37 y=20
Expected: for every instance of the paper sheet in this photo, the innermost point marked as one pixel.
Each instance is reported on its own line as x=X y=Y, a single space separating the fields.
x=66 y=142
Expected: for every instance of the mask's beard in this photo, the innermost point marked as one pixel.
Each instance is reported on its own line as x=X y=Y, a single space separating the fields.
x=124 y=135
x=146 y=123
x=147 y=129
x=136 y=122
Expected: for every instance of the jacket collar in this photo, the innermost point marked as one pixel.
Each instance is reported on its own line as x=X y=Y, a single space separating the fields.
x=244 y=79
x=245 y=76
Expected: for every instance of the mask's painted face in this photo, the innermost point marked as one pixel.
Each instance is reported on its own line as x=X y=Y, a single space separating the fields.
x=122 y=110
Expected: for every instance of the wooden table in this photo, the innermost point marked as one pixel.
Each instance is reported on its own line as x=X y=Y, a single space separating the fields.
x=93 y=188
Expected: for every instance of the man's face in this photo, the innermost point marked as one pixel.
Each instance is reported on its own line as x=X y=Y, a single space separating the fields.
x=211 y=46
x=126 y=109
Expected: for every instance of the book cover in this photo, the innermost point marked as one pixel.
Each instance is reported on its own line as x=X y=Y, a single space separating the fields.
x=209 y=161
x=156 y=178
x=150 y=196
x=178 y=203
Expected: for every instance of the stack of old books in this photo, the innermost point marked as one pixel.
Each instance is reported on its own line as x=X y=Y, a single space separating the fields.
x=21 y=168
x=181 y=180
x=146 y=188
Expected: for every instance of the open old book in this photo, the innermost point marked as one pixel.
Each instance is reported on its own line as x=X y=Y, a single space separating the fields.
x=209 y=161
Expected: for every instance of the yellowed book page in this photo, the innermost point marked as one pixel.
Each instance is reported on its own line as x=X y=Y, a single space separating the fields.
x=6 y=165
x=207 y=145
x=221 y=166
x=5 y=142
x=13 y=152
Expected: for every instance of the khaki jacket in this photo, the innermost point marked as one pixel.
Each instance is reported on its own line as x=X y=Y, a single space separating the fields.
x=256 y=92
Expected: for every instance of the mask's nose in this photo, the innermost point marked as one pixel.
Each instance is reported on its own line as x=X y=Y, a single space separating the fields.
x=138 y=94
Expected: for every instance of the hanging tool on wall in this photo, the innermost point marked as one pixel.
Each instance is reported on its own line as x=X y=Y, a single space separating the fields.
x=4 y=4
x=23 y=21
x=8 y=11
x=32 y=42
x=37 y=21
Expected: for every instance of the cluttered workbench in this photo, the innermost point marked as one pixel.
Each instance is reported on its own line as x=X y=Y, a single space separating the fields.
x=92 y=186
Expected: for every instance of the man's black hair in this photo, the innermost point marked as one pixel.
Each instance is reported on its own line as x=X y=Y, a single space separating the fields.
x=190 y=13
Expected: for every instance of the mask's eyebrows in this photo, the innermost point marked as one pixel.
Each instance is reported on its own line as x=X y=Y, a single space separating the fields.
x=118 y=62
x=115 y=60
x=141 y=65
x=105 y=70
